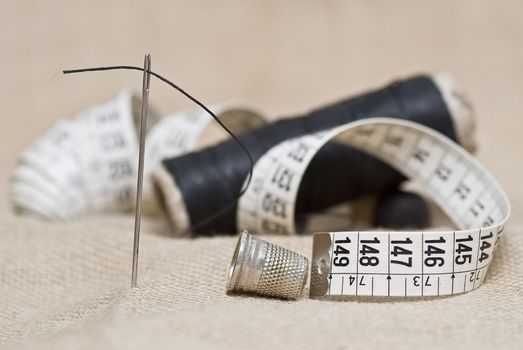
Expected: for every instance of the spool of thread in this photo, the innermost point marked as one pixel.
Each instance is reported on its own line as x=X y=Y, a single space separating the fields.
x=195 y=186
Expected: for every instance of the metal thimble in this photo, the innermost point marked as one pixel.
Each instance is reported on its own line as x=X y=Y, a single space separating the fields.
x=259 y=267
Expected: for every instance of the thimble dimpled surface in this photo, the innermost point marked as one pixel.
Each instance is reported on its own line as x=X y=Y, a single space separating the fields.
x=284 y=273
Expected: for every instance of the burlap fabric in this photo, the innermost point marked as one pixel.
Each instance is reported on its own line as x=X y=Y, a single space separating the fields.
x=66 y=286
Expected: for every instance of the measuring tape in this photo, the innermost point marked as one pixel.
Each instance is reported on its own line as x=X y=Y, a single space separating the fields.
x=88 y=164
x=82 y=165
x=378 y=263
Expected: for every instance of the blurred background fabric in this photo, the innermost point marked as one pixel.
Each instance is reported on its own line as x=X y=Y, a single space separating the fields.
x=286 y=57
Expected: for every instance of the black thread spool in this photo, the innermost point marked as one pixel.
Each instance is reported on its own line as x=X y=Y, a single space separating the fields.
x=197 y=185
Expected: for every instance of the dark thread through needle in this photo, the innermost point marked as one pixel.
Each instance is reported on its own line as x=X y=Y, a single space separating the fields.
x=214 y=116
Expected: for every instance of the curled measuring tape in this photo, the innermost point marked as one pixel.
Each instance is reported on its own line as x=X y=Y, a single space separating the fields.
x=388 y=263
x=88 y=164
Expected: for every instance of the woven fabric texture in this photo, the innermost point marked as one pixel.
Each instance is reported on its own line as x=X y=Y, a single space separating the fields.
x=67 y=286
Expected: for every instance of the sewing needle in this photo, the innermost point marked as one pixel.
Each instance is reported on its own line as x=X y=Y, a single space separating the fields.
x=139 y=185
